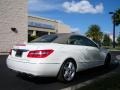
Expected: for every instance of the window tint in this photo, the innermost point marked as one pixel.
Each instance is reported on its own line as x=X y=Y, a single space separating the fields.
x=45 y=38
x=89 y=42
x=80 y=40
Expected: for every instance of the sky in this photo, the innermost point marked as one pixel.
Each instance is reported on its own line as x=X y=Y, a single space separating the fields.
x=78 y=14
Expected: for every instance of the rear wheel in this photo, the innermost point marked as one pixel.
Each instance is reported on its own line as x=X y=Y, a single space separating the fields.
x=107 y=60
x=67 y=71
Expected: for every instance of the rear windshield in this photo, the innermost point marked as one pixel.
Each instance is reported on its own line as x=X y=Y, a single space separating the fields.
x=45 y=38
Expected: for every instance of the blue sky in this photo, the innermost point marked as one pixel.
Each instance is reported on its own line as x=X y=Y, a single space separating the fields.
x=79 y=14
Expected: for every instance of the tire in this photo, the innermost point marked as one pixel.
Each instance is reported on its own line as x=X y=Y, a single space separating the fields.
x=107 y=60
x=67 y=72
x=19 y=74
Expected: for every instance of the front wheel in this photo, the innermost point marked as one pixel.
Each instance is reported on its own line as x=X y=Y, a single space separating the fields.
x=107 y=60
x=67 y=71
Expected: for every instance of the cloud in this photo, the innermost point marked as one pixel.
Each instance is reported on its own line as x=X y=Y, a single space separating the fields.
x=107 y=32
x=111 y=37
x=60 y=21
x=83 y=6
x=41 y=6
x=75 y=30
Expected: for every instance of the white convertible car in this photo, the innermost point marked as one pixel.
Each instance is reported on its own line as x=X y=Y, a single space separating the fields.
x=57 y=55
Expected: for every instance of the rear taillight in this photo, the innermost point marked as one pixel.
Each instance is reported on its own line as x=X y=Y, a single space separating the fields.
x=10 y=52
x=39 y=53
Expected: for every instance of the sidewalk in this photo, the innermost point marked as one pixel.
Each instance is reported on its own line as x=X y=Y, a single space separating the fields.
x=4 y=53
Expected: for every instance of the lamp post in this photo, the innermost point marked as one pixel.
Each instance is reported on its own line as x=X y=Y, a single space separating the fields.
x=113 y=28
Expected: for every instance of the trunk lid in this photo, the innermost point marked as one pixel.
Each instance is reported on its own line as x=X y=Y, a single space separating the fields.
x=22 y=50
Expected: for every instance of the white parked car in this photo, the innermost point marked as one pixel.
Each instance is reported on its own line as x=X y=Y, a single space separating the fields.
x=57 y=55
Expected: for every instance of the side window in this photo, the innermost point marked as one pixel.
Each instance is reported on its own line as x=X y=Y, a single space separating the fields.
x=75 y=40
x=80 y=40
x=89 y=42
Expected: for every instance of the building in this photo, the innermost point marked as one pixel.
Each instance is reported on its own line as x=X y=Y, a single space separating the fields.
x=15 y=24
x=40 y=26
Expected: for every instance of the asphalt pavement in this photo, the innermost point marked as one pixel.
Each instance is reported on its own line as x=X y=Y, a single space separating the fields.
x=10 y=80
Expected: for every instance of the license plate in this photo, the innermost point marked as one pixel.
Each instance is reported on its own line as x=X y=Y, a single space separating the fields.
x=19 y=53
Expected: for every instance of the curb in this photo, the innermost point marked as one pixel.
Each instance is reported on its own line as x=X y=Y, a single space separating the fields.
x=4 y=53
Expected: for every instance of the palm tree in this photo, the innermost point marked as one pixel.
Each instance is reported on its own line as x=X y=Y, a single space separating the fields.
x=95 y=33
x=116 y=17
x=118 y=40
x=116 y=22
x=106 y=40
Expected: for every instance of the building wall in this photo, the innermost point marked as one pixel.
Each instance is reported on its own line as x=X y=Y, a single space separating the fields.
x=44 y=21
x=13 y=14
x=59 y=27
x=63 y=28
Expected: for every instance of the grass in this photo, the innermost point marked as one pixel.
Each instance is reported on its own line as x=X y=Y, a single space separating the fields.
x=110 y=83
x=117 y=48
x=111 y=48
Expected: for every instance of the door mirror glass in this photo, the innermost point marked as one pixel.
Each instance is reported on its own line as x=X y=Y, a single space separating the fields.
x=99 y=45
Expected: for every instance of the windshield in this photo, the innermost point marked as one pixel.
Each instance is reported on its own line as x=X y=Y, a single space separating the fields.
x=45 y=38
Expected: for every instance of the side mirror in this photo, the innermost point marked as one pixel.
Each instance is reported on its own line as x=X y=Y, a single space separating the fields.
x=99 y=45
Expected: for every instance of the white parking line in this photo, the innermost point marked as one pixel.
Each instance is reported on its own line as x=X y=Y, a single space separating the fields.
x=74 y=87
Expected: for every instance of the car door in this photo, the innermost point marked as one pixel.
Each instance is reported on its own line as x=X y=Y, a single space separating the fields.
x=93 y=52
x=89 y=51
x=80 y=52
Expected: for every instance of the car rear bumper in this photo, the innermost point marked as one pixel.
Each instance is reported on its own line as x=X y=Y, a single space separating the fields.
x=35 y=69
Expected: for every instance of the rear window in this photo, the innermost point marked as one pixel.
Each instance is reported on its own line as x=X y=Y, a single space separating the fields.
x=45 y=38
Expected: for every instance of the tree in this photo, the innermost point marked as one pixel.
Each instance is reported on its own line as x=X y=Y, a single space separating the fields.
x=94 y=33
x=116 y=17
x=118 y=40
x=106 y=40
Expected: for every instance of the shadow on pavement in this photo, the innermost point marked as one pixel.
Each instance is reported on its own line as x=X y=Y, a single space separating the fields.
x=37 y=80
x=81 y=76
x=26 y=82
